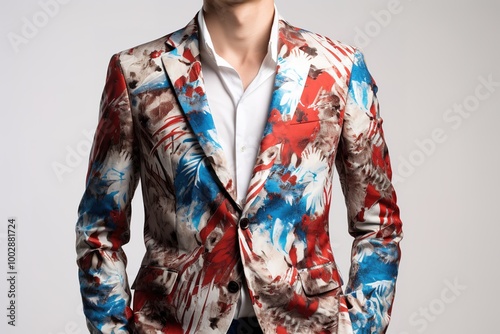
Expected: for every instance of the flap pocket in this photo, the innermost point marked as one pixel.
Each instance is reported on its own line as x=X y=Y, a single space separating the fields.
x=159 y=280
x=320 y=279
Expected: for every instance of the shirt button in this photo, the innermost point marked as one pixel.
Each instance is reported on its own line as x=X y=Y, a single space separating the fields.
x=233 y=287
x=244 y=222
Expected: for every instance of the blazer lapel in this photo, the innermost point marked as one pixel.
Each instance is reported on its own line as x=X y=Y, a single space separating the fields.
x=291 y=75
x=183 y=67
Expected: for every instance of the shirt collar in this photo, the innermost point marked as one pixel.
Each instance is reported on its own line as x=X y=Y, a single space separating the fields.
x=207 y=49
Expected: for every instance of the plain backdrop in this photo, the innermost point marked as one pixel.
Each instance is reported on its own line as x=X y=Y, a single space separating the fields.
x=436 y=65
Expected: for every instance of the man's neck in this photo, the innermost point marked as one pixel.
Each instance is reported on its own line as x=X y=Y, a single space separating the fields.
x=240 y=33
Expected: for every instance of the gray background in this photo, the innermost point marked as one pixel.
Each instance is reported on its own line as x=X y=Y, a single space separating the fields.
x=427 y=58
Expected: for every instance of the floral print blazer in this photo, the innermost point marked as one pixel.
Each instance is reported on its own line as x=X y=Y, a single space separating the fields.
x=155 y=126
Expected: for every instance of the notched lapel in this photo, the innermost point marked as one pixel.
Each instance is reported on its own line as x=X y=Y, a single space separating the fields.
x=183 y=68
x=291 y=75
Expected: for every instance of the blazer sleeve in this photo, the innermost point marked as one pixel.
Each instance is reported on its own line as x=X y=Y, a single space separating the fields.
x=373 y=215
x=104 y=212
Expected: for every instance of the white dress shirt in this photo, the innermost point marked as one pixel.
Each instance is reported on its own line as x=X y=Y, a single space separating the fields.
x=239 y=115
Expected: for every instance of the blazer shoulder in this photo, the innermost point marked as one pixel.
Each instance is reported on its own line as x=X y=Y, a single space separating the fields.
x=318 y=45
x=142 y=63
x=145 y=52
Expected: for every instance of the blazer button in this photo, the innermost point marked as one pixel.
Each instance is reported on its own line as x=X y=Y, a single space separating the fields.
x=244 y=222
x=233 y=287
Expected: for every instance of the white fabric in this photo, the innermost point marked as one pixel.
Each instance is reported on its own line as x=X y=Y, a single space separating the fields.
x=239 y=115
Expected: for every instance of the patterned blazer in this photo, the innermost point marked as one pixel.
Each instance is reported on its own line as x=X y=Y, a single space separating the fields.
x=155 y=125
